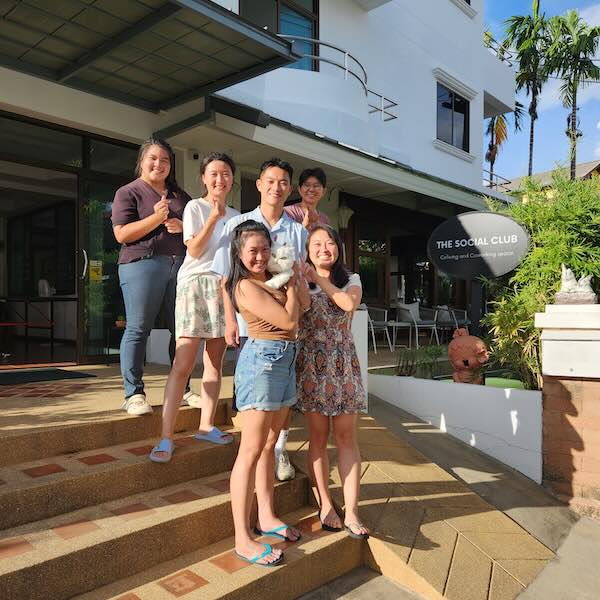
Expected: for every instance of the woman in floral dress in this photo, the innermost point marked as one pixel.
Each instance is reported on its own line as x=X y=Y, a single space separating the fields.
x=330 y=389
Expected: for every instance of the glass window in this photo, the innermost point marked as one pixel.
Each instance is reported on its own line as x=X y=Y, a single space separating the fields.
x=308 y=5
x=292 y=22
x=444 y=114
x=452 y=118
x=460 y=130
x=112 y=158
x=260 y=12
x=34 y=142
x=289 y=17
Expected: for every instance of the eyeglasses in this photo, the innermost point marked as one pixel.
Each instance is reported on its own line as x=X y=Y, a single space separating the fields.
x=311 y=186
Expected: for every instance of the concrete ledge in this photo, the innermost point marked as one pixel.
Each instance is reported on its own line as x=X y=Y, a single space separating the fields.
x=504 y=423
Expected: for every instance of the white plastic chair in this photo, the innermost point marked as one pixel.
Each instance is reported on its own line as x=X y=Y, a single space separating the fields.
x=378 y=321
x=406 y=312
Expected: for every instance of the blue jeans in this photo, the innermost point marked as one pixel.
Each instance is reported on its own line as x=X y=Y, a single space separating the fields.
x=147 y=285
x=265 y=375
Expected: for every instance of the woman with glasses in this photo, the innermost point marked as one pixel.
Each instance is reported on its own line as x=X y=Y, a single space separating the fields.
x=312 y=186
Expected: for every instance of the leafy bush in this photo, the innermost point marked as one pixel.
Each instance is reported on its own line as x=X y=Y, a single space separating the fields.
x=564 y=225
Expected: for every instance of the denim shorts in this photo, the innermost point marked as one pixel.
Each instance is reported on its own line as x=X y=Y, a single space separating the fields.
x=265 y=375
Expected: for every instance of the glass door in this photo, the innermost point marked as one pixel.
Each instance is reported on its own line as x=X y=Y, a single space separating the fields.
x=101 y=303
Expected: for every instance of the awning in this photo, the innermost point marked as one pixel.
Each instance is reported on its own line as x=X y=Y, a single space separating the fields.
x=145 y=53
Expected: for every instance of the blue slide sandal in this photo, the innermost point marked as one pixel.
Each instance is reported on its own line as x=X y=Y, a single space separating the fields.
x=215 y=436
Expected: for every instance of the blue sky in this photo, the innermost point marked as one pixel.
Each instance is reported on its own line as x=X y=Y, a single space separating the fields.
x=551 y=145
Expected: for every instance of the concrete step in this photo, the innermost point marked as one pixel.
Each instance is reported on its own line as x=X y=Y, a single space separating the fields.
x=71 y=554
x=60 y=484
x=215 y=572
x=114 y=428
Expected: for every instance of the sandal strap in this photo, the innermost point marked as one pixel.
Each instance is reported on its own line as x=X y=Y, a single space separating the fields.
x=165 y=445
x=268 y=550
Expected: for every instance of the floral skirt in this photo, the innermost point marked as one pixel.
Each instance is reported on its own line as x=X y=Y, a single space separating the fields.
x=199 y=309
x=328 y=379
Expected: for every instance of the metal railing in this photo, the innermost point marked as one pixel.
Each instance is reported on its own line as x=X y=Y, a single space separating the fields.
x=352 y=67
x=496 y=182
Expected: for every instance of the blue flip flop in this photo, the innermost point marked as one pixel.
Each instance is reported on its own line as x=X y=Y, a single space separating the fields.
x=165 y=445
x=274 y=533
x=254 y=561
x=215 y=435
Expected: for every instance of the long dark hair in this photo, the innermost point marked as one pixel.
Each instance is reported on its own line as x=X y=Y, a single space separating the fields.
x=339 y=272
x=170 y=182
x=238 y=271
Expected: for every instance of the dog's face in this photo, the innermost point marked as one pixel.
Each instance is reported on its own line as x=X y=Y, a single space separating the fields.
x=282 y=259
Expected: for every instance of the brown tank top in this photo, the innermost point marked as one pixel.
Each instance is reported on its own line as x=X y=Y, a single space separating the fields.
x=263 y=330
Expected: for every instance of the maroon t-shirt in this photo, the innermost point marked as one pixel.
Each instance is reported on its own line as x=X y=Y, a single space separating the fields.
x=135 y=201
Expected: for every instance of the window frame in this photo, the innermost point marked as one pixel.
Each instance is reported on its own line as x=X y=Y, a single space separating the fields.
x=292 y=5
x=467 y=120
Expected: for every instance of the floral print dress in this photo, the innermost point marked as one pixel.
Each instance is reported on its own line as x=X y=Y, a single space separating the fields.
x=327 y=368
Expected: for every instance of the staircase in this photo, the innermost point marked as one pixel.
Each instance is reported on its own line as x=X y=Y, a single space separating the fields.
x=87 y=515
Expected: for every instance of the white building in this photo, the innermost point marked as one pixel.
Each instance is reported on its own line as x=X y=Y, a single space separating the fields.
x=389 y=99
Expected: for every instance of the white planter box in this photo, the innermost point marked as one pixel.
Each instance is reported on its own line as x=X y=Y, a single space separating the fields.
x=504 y=423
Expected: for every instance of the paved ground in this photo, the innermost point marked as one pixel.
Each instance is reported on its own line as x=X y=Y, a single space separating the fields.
x=573 y=575
x=417 y=486
x=362 y=584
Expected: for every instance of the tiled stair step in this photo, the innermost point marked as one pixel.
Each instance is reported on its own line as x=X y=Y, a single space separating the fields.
x=70 y=554
x=60 y=484
x=117 y=428
x=215 y=571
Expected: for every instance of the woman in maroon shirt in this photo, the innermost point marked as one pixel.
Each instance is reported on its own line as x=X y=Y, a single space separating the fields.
x=147 y=221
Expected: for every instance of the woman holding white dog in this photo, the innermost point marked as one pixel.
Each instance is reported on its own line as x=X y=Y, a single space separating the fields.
x=265 y=385
x=199 y=312
x=330 y=389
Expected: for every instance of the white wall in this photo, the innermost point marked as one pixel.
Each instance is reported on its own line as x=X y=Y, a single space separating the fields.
x=399 y=44
x=35 y=97
x=504 y=423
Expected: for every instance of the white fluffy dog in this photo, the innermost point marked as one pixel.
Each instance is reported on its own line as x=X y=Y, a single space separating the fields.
x=280 y=266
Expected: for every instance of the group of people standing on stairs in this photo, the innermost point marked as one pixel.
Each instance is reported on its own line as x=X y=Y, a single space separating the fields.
x=206 y=266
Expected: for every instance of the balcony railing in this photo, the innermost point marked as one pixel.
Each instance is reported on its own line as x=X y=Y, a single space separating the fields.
x=496 y=182
x=342 y=59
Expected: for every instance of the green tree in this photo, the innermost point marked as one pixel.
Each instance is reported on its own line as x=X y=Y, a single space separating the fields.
x=497 y=129
x=528 y=36
x=564 y=227
x=574 y=45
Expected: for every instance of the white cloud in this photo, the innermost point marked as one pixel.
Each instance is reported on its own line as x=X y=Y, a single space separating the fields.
x=598 y=125
x=591 y=14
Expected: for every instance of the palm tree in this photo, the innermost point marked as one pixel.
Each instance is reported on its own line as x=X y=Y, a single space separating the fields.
x=497 y=129
x=574 y=45
x=528 y=36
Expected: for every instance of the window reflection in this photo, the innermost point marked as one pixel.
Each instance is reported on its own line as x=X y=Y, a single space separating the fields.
x=452 y=118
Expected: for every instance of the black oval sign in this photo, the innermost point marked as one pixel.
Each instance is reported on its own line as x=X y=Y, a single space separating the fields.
x=478 y=243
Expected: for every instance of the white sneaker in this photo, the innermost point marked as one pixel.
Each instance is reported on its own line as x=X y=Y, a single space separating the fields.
x=137 y=405
x=283 y=468
x=192 y=399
